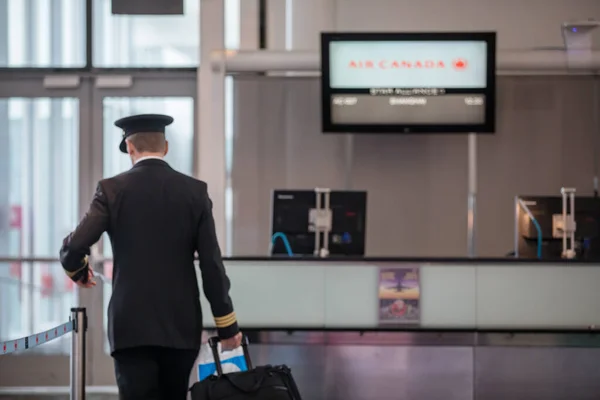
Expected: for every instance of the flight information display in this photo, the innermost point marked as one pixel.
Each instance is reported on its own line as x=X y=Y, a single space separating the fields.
x=408 y=82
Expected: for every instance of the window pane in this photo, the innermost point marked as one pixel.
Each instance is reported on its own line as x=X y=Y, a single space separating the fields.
x=42 y=33
x=38 y=208
x=38 y=297
x=180 y=135
x=232 y=24
x=158 y=41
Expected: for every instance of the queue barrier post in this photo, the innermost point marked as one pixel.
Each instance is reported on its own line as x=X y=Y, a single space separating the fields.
x=77 y=325
x=78 y=356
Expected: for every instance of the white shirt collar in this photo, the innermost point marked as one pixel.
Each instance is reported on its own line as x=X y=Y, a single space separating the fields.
x=148 y=158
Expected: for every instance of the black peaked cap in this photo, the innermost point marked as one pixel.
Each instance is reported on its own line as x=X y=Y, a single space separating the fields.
x=142 y=123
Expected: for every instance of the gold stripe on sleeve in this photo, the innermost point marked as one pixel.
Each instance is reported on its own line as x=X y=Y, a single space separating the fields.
x=84 y=262
x=225 y=321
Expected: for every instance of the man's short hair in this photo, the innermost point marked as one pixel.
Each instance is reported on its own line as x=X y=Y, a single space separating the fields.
x=148 y=142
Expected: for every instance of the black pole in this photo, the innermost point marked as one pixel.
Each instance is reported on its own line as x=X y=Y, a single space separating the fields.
x=89 y=33
x=262 y=24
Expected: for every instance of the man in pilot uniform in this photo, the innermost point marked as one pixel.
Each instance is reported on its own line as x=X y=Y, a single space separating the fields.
x=157 y=219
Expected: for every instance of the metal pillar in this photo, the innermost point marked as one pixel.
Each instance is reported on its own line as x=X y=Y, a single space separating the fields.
x=516 y=233
x=78 y=359
x=472 y=195
x=210 y=113
x=596 y=136
x=348 y=160
x=5 y=171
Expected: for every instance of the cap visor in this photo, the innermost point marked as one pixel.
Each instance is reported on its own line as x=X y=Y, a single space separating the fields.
x=123 y=147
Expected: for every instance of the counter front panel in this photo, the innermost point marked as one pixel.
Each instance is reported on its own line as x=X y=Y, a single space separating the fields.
x=319 y=295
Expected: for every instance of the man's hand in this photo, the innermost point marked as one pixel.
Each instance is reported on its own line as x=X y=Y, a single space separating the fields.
x=232 y=342
x=89 y=283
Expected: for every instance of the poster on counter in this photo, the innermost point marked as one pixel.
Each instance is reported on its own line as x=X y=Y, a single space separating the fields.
x=399 y=296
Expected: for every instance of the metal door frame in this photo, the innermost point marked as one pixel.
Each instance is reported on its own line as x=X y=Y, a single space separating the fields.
x=40 y=369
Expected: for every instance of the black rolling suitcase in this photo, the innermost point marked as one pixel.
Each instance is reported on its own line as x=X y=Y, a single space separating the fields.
x=260 y=383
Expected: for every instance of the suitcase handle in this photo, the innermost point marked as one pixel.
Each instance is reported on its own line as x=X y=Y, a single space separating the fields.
x=214 y=341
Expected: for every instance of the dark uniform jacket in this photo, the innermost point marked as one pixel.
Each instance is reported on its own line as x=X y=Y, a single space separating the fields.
x=157 y=219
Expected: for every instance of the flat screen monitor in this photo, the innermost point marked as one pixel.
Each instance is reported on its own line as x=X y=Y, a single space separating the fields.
x=290 y=217
x=547 y=212
x=408 y=82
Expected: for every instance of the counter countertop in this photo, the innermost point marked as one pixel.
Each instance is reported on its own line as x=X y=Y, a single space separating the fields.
x=445 y=260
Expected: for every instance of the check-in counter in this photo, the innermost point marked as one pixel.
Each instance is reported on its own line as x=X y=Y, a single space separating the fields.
x=455 y=294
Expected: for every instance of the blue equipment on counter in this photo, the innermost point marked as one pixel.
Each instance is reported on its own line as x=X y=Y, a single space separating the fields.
x=285 y=241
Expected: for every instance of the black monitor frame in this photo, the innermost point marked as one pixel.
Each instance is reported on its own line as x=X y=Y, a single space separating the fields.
x=299 y=237
x=488 y=126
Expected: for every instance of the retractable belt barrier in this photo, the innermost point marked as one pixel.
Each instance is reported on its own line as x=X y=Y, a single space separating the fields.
x=77 y=324
x=36 y=340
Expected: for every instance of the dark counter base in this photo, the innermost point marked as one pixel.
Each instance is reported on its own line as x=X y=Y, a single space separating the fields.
x=445 y=260
x=588 y=331
x=473 y=338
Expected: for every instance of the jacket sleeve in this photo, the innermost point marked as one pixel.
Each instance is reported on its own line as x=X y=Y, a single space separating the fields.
x=215 y=282
x=76 y=247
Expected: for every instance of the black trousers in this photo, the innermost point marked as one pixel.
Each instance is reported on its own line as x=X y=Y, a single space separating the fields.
x=153 y=373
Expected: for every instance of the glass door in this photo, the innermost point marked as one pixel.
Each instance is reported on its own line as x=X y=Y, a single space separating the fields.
x=58 y=96
x=174 y=96
x=41 y=179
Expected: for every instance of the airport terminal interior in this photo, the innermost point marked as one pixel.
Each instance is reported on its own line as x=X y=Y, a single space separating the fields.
x=406 y=194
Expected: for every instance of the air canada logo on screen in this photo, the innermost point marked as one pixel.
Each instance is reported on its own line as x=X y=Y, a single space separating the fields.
x=458 y=64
